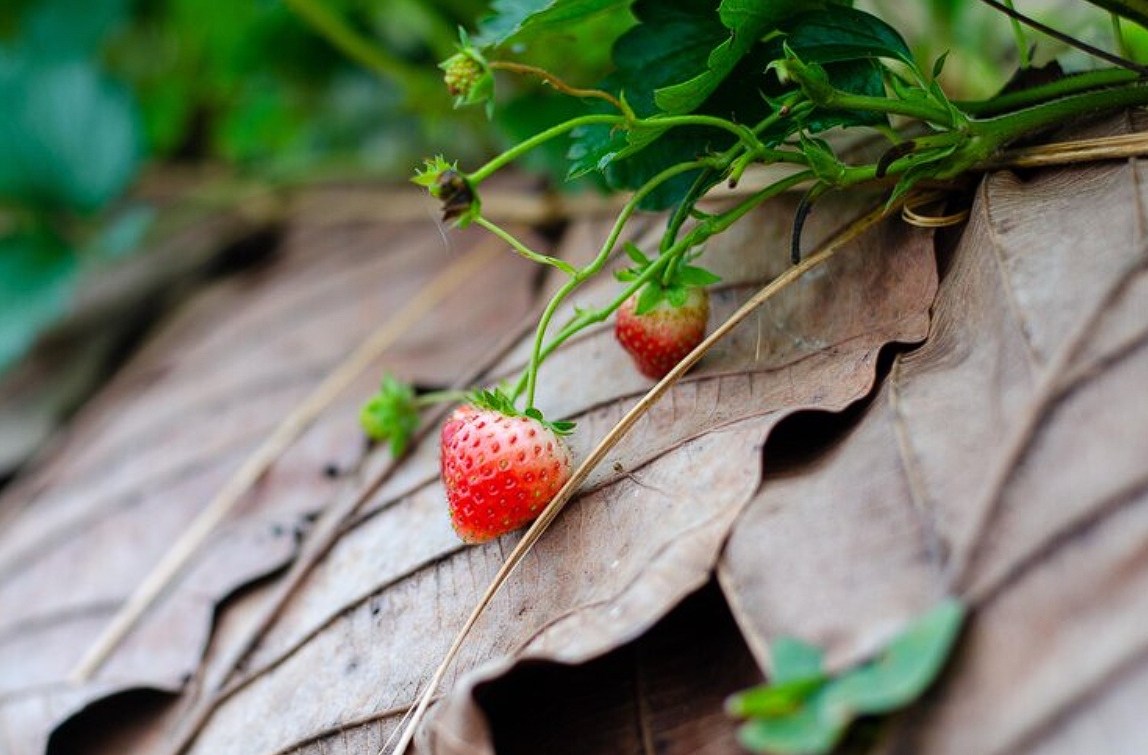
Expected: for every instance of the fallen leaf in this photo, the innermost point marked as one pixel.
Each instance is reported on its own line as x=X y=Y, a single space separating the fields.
x=146 y=455
x=1003 y=460
x=375 y=617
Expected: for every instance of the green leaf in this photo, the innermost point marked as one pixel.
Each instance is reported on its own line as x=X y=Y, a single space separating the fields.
x=69 y=137
x=635 y=254
x=677 y=295
x=391 y=414
x=672 y=42
x=695 y=276
x=842 y=34
x=563 y=427
x=745 y=22
x=939 y=65
x=856 y=77
x=822 y=160
x=803 y=713
x=803 y=732
x=793 y=659
x=774 y=700
x=652 y=294
x=428 y=175
x=904 y=670
x=38 y=276
x=514 y=16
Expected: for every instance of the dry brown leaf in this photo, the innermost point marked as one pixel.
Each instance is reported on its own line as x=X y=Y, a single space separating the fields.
x=349 y=653
x=160 y=440
x=662 y=693
x=1036 y=361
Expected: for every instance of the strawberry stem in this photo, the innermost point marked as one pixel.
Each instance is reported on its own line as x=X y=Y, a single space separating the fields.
x=595 y=266
x=524 y=250
x=698 y=235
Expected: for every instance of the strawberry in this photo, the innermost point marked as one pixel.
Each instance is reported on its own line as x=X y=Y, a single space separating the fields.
x=461 y=73
x=659 y=338
x=663 y=320
x=456 y=419
x=467 y=75
x=500 y=468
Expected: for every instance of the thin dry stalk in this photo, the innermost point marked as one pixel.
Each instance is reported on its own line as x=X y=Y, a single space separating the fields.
x=1076 y=151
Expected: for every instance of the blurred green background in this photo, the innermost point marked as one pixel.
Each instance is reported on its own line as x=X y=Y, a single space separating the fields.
x=97 y=96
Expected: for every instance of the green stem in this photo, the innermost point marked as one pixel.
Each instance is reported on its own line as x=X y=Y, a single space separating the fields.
x=919 y=110
x=712 y=227
x=1118 y=34
x=1005 y=128
x=432 y=398
x=538 y=139
x=524 y=250
x=683 y=210
x=743 y=133
x=1074 y=84
x=344 y=38
x=593 y=268
x=791 y=107
x=824 y=95
x=1021 y=40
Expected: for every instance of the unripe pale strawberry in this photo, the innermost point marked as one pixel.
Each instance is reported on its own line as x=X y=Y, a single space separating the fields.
x=462 y=73
x=499 y=471
x=659 y=339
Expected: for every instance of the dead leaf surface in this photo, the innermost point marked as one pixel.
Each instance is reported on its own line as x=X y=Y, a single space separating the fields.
x=157 y=444
x=350 y=652
x=1038 y=344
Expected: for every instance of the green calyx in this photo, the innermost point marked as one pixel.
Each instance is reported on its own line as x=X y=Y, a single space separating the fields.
x=444 y=181
x=674 y=287
x=391 y=415
x=467 y=75
x=498 y=401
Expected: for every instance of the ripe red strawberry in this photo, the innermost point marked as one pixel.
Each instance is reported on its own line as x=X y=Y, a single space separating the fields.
x=660 y=338
x=461 y=413
x=499 y=470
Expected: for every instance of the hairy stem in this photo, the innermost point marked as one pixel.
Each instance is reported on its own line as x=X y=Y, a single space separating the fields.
x=743 y=133
x=1021 y=40
x=704 y=231
x=562 y=86
x=1074 y=84
x=518 y=150
x=433 y=398
x=920 y=110
x=593 y=268
x=1005 y=128
x=524 y=250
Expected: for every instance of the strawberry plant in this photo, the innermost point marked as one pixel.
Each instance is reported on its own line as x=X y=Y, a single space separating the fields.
x=699 y=95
